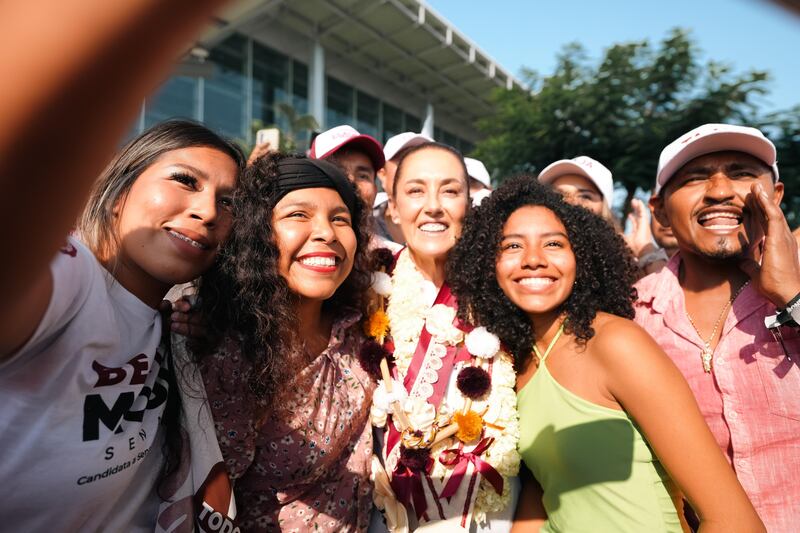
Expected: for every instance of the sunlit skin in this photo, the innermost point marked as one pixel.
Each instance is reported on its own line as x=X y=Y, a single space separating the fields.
x=358 y=167
x=173 y=220
x=314 y=231
x=710 y=206
x=579 y=190
x=620 y=367
x=663 y=236
x=386 y=175
x=430 y=202
x=705 y=204
x=535 y=264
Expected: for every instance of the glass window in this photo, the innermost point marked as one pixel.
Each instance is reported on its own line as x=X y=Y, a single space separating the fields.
x=300 y=87
x=339 y=109
x=177 y=98
x=413 y=123
x=449 y=138
x=224 y=95
x=270 y=85
x=368 y=113
x=300 y=102
x=392 y=122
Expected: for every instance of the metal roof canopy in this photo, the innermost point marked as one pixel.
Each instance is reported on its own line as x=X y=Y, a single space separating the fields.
x=404 y=42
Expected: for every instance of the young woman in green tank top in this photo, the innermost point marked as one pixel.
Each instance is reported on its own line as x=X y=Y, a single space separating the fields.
x=609 y=428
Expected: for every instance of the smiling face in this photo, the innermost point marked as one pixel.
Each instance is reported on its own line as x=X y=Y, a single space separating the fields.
x=173 y=220
x=704 y=204
x=535 y=264
x=430 y=201
x=314 y=232
x=579 y=190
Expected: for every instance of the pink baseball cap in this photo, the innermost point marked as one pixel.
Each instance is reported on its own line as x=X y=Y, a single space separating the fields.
x=403 y=140
x=710 y=138
x=331 y=141
x=585 y=166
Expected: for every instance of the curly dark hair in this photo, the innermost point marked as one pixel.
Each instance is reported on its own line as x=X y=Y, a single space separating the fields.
x=244 y=297
x=604 y=278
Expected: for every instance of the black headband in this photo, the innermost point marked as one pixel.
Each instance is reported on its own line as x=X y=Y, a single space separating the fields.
x=295 y=173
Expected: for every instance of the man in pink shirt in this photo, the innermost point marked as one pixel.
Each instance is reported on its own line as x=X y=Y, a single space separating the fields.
x=717 y=188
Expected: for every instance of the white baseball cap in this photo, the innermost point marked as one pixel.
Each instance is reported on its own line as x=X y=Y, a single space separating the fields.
x=403 y=140
x=584 y=166
x=330 y=141
x=480 y=196
x=710 y=138
x=477 y=170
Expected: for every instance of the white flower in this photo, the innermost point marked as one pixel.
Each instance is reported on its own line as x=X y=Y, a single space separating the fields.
x=481 y=343
x=381 y=283
x=378 y=416
x=420 y=413
x=382 y=399
x=439 y=322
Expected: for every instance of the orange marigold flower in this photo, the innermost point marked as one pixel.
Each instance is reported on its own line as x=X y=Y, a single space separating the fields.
x=377 y=325
x=470 y=426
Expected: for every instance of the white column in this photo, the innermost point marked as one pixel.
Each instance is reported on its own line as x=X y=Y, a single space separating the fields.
x=316 y=84
x=427 y=125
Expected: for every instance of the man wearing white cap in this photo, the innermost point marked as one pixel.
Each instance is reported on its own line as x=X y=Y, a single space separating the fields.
x=583 y=181
x=392 y=151
x=359 y=155
x=480 y=184
x=726 y=307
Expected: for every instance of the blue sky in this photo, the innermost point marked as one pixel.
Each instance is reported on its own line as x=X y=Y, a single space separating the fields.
x=748 y=34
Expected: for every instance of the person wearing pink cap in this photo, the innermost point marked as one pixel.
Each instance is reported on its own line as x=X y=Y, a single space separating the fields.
x=587 y=182
x=359 y=155
x=726 y=307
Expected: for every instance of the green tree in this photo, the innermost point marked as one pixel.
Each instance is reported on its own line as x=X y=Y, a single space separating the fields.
x=621 y=111
x=783 y=127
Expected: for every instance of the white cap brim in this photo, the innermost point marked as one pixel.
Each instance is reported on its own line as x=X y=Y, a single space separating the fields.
x=567 y=166
x=401 y=141
x=723 y=141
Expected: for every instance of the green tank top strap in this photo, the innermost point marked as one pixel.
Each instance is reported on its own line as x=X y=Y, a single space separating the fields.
x=549 y=346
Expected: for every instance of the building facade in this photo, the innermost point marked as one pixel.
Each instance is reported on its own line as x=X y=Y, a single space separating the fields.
x=383 y=66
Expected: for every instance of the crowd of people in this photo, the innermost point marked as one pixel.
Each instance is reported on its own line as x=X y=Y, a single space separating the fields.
x=367 y=337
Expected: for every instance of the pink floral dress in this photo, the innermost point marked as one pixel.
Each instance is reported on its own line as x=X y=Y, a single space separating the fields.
x=306 y=468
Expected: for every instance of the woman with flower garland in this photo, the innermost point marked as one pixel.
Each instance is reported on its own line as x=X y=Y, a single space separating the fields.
x=601 y=407
x=447 y=404
x=289 y=399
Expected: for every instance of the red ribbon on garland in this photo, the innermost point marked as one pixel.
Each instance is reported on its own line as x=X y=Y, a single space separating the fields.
x=455 y=354
x=461 y=459
x=408 y=488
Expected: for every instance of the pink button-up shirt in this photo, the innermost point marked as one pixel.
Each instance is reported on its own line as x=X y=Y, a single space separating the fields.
x=750 y=400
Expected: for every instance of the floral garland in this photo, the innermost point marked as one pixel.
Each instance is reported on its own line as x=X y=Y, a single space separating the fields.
x=487 y=405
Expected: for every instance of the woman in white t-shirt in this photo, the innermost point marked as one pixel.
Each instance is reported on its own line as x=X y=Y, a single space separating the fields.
x=83 y=381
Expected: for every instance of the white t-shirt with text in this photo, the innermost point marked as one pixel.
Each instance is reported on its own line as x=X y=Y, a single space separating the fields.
x=80 y=405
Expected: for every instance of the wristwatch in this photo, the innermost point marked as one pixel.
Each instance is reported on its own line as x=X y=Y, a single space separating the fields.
x=788 y=316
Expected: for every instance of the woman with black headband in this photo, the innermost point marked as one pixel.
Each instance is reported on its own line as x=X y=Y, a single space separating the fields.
x=289 y=399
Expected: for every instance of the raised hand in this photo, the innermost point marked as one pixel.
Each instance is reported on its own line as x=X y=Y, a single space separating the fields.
x=772 y=263
x=640 y=238
x=186 y=321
